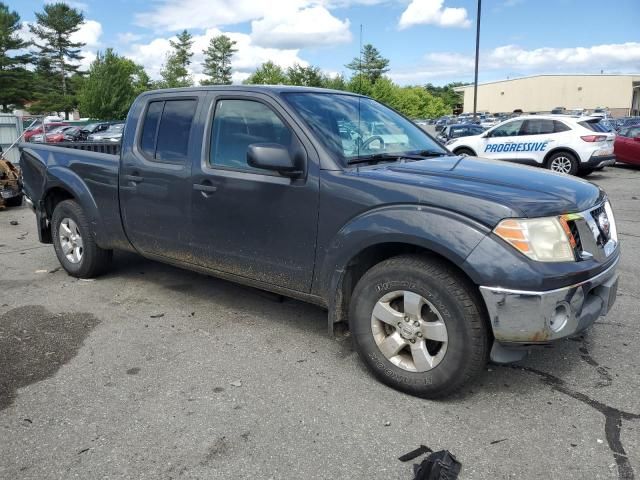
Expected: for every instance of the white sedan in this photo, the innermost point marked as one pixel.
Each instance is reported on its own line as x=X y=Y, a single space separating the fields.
x=562 y=143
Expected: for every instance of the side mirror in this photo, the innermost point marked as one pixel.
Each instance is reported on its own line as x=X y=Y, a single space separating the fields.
x=273 y=157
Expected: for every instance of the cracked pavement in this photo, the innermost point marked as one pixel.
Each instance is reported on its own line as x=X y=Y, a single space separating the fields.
x=156 y=372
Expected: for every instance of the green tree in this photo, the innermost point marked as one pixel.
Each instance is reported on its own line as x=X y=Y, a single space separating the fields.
x=446 y=93
x=53 y=30
x=416 y=102
x=15 y=79
x=175 y=71
x=385 y=91
x=360 y=84
x=336 y=82
x=217 y=60
x=111 y=86
x=372 y=64
x=305 y=76
x=267 y=74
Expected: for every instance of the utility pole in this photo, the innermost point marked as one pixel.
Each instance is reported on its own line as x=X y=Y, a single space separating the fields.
x=360 y=66
x=475 y=82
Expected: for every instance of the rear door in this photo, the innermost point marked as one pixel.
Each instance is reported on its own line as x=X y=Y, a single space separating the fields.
x=155 y=176
x=537 y=137
x=501 y=142
x=249 y=222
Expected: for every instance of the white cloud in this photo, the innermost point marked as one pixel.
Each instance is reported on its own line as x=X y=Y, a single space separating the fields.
x=129 y=37
x=299 y=28
x=248 y=57
x=287 y=24
x=433 y=12
x=89 y=33
x=621 y=57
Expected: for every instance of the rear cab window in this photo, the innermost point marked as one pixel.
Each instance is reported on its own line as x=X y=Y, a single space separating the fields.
x=166 y=129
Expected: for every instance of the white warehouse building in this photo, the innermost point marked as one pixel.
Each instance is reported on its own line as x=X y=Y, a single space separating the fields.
x=542 y=93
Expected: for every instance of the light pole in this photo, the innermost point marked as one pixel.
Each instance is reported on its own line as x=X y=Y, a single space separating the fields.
x=475 y=82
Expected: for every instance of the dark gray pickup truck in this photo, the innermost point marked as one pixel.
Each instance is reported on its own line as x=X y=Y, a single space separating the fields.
x=438 y=262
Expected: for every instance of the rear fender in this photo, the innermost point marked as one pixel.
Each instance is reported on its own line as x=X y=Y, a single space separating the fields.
x=66 y=179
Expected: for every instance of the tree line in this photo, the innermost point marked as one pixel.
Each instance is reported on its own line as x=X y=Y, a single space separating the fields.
x=45 y=73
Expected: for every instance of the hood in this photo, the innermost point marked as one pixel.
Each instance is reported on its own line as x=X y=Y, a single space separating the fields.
x=527 y=191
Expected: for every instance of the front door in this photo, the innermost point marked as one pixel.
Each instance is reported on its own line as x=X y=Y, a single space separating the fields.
x=249 y=222
x=155 y=177
x=501 y=142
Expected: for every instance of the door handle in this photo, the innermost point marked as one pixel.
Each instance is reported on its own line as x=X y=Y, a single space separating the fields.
x=206 y=189
x=133 y=178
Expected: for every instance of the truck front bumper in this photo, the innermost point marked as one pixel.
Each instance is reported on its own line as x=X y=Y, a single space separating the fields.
x=525 y=318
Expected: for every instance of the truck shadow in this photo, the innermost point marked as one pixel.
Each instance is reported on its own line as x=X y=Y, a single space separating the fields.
x=195 y=291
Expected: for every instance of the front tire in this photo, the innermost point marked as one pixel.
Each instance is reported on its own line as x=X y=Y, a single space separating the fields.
x=417 y=325
x=75 y=247
x=563 y=162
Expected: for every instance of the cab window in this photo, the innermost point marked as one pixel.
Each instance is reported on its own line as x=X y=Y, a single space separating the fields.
x=537 y=127
x=240 y=123
x=166 y=129
x=510 y=129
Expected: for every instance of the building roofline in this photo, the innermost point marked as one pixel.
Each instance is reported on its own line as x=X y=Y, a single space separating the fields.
x=463 y=87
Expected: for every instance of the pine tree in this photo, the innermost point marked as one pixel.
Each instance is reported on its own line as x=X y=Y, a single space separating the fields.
x=175 y=71
x=217 y=60
x=15 y=79
x=372 y=66
x=53 y=29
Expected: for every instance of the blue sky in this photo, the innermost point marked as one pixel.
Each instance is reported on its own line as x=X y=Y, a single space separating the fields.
x=425 y=40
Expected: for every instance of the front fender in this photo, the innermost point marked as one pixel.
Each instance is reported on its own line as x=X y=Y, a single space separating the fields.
x=446 y=233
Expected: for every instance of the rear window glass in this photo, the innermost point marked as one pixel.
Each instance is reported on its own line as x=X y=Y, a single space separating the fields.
x=166 y=129
x=560 y=127
x=150 y=128
x=173 y=133
x=537 y=127
x=594 y=126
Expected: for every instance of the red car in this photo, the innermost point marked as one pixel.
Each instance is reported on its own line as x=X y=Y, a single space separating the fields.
x=58 y=134
x=627 y=145
x=38 y=129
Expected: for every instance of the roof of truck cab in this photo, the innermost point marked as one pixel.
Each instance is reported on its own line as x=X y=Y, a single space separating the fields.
x=268 y=89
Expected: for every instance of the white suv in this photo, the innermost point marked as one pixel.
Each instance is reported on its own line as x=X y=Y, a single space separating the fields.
x=562 y=143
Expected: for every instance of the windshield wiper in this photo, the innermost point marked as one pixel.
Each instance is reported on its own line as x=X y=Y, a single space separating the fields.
x=382 y=157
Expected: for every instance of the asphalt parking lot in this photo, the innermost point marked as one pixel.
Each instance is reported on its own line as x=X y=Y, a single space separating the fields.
x=156 y=372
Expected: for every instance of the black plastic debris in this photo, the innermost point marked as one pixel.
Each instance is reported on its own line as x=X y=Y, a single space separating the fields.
x=421 y=450
x=440 y=465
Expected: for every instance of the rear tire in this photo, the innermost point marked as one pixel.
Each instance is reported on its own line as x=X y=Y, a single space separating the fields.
x=74 y=244
x=563 y=162
x=444 y=343
x=465 y=151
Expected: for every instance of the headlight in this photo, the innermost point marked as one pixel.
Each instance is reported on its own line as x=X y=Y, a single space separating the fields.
x=541 y=239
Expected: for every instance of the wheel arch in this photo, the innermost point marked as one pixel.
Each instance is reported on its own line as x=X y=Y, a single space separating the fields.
x=464 y=147
x=419 y=230
x=63 y=184
x=562 y=149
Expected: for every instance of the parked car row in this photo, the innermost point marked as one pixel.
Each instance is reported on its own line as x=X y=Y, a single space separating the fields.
x=55 y=132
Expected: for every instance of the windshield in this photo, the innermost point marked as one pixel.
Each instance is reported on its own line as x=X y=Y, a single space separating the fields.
x=354 y=128
x=89 y=128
